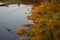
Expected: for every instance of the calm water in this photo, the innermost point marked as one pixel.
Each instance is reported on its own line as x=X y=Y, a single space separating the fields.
x=13 y=17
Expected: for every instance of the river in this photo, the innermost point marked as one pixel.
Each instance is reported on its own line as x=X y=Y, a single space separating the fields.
x=13 y=17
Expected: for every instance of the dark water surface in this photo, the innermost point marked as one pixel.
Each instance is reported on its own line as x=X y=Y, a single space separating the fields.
x=13 y=17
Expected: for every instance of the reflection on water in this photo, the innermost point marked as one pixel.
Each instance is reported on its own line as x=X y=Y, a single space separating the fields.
x=12 y=17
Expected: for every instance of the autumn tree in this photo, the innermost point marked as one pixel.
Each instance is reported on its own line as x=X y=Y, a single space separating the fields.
x=46 y=22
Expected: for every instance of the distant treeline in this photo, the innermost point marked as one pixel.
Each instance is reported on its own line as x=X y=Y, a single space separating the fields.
x=26 y=1
x=9 y=1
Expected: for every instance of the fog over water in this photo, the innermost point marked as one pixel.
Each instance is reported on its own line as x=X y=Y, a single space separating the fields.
x=13 y=17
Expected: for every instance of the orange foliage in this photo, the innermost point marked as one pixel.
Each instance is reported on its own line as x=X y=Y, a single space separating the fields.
x=45 y=21
x=22 y=30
